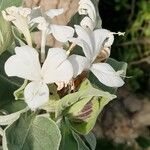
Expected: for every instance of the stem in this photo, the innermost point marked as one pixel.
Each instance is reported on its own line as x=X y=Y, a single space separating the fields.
x=28 y=38
x=71 y=48
x=43 y=43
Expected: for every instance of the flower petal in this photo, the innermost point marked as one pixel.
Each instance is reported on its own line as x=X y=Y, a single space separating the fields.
x=79 y=64
x=36 y=94
x=57 y=67
x=87 y=22
x=62 y=33
x=41 y=21
x=87 y=7
x=85 y=47
x=107 y=75
x=84 y=34
x=54 y=12
x=24 y=64
x=102 y=37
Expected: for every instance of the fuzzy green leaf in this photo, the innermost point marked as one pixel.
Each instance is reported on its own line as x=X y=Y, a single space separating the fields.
x=91 y=139
x=81 y=144
x=8 y=119
x=33 y=132
x=68 y=141
x=6 y=37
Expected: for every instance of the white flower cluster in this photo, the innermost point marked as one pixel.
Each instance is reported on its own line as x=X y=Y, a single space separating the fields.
x=59 y=66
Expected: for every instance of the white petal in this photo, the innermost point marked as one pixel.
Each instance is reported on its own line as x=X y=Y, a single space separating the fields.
x=84 y=45
x=41 y=21
x=79 y=64
x=62 y=33
x=87 y=7
x=57 y=67
x=36 y=94
x=54 y=12
x=107 y=75
x=87 y=22
x=85 y=34
x=25 y=64
x=102 y=37
x=24 y=11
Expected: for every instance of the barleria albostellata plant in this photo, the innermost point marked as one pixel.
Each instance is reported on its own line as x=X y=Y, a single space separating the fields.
x=54 y=94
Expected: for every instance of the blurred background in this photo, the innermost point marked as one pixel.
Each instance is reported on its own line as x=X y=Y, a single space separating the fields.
x=125 y=122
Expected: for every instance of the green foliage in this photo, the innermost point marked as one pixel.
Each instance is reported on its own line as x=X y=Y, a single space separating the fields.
x=5 y=33
x=33 y=132
x=84 y=127
x=61 y=123
x=7 y=3
x=134 y=47
x=6 y=36
x=86 y=91
x=98 y=100
x=143 y=142
x=68 y=141
x=91 y=139
x=8 y=119
x=72 y=140
x=9 y=85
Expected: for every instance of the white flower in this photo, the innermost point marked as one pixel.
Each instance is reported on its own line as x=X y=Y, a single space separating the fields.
x=92 y=42
x=86 y=7
x=20 y=17
x=25 y=64
x=60 y=32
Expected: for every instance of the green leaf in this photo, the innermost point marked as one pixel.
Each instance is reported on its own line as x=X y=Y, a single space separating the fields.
x=9 y=84
x=32 y=132
x=86 y=90
x=17 y=35
x=53 y=99
x=86 y=126
x=7 y=3
x=19 y=93
x=13 y=107
x=6 y=37
x=91 y=139
x=81 y=144
x=143 y=142
x=68 y=141
x=117 y=66
x=8 y=119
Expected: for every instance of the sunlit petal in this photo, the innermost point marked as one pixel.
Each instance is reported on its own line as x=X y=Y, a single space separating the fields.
x=86 y=7
x=107 y=75
x=84 y=45
x=54 y=12
x=36 y=94
x=79 y=64
x=24 y=64
x=62 y=33
x=102 y=38
x=57 y=67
